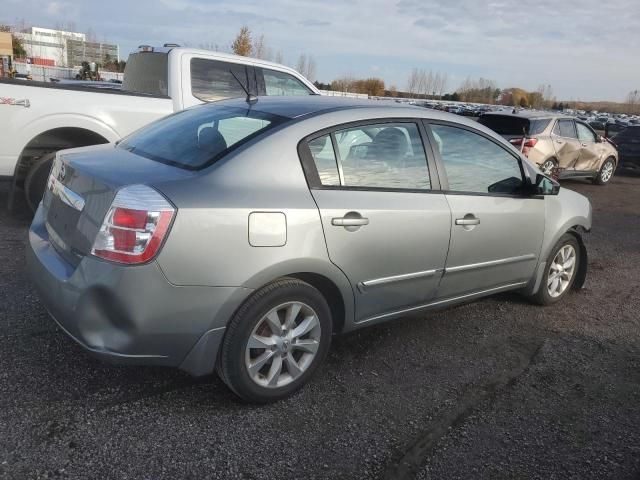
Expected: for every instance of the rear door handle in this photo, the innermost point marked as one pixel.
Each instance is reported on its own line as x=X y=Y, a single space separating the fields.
x=349 y=222
x=467 y=221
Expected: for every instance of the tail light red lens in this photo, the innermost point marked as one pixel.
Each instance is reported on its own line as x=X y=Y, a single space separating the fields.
x=528 y=142
x=135 y=226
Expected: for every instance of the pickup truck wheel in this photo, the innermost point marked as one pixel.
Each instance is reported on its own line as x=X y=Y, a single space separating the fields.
x=36 y=180
x=560 y=272
x=606 y=172
x=276 y=341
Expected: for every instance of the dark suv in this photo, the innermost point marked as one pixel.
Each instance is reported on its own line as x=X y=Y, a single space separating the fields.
x=628 y=143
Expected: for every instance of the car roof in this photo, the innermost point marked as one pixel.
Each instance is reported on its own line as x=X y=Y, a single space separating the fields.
x=304 y=105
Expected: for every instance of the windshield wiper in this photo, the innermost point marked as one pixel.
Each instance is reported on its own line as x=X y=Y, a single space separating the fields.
x=251 y=99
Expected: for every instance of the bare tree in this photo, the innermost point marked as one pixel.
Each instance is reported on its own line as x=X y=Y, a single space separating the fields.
x=442 y=84
x=311 y=69
x=208 y=46
x=413 y=82
x=279 y=57
x=301 y=65
x=260 y=49
x=633 y=100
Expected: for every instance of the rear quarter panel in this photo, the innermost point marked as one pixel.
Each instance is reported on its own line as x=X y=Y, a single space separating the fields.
x=209 y=241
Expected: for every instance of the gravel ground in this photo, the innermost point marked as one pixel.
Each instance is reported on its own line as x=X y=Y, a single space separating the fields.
x=495 y=389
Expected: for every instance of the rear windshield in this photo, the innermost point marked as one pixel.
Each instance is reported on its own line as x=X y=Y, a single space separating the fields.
x=508 y=125
x=198 y=137
x=146 y=72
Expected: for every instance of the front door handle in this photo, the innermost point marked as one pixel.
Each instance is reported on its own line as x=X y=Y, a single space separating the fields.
x=468 y=221
x=349 y=221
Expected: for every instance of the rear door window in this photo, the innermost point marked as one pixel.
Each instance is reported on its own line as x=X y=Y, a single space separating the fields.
x=213 y=80
x=565 y=128
x=388 y=156
x=324 y=157
x=280 y=83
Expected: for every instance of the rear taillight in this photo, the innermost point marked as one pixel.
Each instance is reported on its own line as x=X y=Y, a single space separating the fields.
x=135 y=226
x=528 y=142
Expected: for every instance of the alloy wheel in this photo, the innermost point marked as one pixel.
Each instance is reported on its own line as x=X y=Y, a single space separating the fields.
x=282 y=345
x=547 y=167
x=561 y=271
x=607 y=171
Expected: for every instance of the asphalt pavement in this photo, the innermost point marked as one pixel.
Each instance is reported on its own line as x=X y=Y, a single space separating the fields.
x=499 y=388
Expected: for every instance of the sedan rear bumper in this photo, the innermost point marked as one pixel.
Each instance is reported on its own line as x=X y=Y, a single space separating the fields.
x=130 y=314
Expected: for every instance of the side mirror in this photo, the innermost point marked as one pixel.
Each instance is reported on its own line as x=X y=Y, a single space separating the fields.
x=546 y=185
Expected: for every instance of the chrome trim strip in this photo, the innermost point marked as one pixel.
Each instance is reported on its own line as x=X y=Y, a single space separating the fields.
x=441 y=302
x=492 y=263
x=65 y=194
x=363 y=286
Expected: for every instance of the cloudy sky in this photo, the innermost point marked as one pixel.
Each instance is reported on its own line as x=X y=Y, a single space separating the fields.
x=586 y=50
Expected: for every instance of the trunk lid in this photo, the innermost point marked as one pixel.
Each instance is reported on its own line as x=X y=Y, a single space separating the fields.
x=81 y=187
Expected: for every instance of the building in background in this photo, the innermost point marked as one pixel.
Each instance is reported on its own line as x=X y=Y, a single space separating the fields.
x=6 y=53
x=59 y=48
x=79 y=51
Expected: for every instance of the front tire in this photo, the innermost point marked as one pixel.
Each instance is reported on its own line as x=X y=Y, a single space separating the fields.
x=606 y=172
x=276 y=341
x=560 y=272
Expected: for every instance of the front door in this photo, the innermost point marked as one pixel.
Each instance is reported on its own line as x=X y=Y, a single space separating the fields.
x=496 y=231
x=385 y=226
x=591 y=151
x=566 y=143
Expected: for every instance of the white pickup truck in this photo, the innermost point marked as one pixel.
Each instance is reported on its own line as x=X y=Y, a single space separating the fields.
x=37 y=118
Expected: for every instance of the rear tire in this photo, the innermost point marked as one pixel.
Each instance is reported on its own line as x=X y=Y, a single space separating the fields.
x=561 y=270
x=606 y=172
x=35 y=182
x=265 y=356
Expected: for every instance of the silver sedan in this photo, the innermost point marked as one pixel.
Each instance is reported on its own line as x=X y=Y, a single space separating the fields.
x=240 y=236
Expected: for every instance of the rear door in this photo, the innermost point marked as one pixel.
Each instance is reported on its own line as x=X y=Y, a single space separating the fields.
x=566 y=143
x=386 y=222
x=496 y=230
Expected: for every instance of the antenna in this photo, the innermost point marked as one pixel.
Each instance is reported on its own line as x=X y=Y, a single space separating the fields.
x=251 y=99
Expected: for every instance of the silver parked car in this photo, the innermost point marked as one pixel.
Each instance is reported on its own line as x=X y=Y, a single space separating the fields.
x=240 y=236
